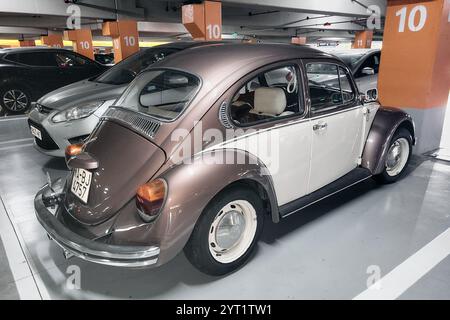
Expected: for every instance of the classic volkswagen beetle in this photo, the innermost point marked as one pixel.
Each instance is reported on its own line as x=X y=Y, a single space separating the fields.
x=202 y=145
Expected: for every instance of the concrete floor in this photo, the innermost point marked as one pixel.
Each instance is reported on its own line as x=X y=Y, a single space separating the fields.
x=324 y=252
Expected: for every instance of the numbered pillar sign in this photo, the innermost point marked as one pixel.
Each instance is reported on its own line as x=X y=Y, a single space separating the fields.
x=26 y=43
x=53 y=40
x=125 y=37
x=81 y=41
x=298 y=40
x=415 y=61
x=416 y=54
x=363 y=39
x=203 y=21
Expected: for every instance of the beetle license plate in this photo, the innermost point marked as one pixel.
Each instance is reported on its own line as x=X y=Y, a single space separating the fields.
x=81 y=184
x=36 y=132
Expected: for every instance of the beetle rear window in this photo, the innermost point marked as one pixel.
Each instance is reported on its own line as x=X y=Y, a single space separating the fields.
x=163 y=94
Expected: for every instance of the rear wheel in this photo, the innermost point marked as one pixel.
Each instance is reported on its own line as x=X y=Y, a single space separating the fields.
x=226 y=232
x=15 y=99
x=397 y=158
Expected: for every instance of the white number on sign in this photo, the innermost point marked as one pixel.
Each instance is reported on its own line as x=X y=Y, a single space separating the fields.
x=130 y=41
x=213 y=31
x=84 y=45
x=412 y=26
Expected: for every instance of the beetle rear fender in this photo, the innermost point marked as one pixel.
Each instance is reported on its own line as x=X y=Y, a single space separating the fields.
x=192 y=186
x=386 y=122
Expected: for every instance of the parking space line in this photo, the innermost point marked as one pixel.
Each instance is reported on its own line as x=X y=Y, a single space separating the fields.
x=402 y=277
x=24 y=280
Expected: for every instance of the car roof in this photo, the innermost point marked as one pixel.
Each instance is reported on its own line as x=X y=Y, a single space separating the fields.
x=187 y=44
x=28 y=49
x=214 y=62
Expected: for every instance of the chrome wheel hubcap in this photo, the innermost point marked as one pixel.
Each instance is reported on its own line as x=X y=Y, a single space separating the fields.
x=232 y=231
x=397 y=157
x=15 y=100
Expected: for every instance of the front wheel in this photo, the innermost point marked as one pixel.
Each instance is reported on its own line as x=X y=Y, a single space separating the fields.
x=226 y=232
x=15 y=99
x=397 y=158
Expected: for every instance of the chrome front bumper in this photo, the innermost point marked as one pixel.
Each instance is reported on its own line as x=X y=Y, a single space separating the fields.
x=90 y=250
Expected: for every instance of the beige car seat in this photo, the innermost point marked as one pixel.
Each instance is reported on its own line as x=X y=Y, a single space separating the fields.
x=270 y=102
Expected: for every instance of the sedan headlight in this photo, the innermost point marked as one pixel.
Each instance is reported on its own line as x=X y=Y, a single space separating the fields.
x=77 y=112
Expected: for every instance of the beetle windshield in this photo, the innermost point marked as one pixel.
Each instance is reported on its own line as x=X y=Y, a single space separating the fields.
x=162 y=94
x=125 y=71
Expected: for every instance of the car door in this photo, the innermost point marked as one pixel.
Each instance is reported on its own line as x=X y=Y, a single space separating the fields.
x=364 y=78
x=40 y=71
x=268 y=108
x=336 y=123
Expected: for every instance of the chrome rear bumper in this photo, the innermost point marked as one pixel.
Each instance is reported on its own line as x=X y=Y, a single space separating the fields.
x=90 y=250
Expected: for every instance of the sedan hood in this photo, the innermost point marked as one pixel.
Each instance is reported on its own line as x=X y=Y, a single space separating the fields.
x=80 y=92
x=125 y=160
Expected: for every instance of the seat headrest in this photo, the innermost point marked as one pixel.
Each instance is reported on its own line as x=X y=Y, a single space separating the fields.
x=270 y=101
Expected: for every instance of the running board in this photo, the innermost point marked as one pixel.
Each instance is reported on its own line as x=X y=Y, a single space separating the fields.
x=350 y=179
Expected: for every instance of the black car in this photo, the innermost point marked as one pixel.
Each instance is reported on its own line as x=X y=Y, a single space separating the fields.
x=26 y=74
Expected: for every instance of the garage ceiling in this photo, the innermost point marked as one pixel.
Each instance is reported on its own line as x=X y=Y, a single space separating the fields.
x=265 y=19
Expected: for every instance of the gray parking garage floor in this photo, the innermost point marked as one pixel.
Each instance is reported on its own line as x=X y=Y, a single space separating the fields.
x=332 y=250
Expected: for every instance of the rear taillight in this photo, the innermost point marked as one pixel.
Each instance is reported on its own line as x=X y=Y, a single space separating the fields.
x=74 y=149
x=150 y=199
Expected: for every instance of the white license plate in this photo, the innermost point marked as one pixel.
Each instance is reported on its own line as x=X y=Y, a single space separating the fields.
x=36 y=132
x=81 y=184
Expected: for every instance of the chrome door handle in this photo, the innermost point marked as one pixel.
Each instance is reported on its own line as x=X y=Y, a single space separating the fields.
x=320 y=126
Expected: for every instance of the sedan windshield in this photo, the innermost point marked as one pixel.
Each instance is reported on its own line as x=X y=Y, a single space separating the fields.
x=350 y=59
x=125 y=71
x=163 y=94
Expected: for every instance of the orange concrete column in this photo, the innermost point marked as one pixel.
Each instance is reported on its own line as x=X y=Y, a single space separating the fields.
x=125 y=37
x=53 y=40
x=363 y=39
x=415 y=64
x=26 y=43
x=204 y=20
x=81 y=41
x=298 y=40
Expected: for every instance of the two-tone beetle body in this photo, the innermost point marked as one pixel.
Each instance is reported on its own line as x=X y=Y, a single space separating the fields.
x=201 y=145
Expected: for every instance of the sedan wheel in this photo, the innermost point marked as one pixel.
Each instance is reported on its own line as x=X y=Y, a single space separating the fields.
x=15 y=100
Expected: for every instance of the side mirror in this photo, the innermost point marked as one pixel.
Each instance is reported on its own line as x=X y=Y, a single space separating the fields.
x=370 y=96
x=368 y=71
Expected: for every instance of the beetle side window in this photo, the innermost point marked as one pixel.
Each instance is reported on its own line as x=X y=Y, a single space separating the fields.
x=270 y=95
x=324 y=87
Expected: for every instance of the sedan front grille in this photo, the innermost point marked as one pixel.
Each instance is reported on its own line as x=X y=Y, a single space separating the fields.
x=136 y=121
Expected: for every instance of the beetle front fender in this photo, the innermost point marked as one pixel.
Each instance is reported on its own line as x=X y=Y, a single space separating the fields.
x=191 y=187
x=385 y=124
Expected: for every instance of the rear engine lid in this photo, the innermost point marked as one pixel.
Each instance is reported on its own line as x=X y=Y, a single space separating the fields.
x=125 y=160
